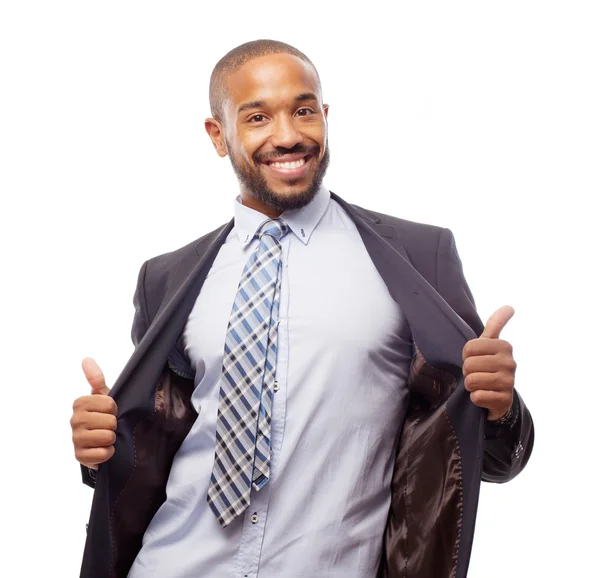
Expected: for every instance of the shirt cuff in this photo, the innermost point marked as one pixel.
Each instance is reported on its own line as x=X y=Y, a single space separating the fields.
x=88 y=476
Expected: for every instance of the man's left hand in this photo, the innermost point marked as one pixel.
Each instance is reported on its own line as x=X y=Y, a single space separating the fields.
x=489 y=367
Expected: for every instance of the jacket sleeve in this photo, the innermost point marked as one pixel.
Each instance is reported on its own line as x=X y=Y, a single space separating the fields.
x=508 y=444
x=140 y=317
x=138 y=330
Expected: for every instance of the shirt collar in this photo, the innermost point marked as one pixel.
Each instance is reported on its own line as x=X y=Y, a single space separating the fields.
x=302 y=222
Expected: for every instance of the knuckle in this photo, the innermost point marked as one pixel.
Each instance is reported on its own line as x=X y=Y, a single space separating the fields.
x=107 y=453
x=106 y=437
x=78 y=403
x=78 y=419
x=468 y=349
x=469 y=383
x=109 y=405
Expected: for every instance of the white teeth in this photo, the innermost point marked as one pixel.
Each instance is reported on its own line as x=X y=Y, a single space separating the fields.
x=293 y=165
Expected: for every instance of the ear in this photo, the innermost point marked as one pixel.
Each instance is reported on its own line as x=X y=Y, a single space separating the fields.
x=325 y=110
x=217 y=136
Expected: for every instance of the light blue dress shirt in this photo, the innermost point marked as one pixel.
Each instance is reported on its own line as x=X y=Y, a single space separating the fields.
x=344 y=353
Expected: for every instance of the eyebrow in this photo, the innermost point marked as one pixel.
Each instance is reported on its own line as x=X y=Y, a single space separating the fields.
x=261 y=103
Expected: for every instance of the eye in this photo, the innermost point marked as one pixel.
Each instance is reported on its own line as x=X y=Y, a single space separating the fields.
x=257 y=118
x=305 y=111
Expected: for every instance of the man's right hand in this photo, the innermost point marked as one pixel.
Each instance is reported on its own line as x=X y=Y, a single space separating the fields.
x=94 y=420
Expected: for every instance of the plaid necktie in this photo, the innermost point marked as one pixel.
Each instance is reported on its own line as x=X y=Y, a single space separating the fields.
x=243 y=445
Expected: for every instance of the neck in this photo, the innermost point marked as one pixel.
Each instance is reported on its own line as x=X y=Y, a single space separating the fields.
x=250 y=201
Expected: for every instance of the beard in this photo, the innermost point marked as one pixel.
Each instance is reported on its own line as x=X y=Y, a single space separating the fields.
x=253 y=181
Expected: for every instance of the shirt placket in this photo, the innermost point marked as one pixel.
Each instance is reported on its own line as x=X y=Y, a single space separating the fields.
x=255 y=517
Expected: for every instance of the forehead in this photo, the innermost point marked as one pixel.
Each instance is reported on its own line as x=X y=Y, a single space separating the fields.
x=274 y=77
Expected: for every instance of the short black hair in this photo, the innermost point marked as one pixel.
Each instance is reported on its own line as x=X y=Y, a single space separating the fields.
x=236 y=58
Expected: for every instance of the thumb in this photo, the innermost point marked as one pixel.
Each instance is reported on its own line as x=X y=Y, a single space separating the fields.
x=497 y=322
x=94 y=376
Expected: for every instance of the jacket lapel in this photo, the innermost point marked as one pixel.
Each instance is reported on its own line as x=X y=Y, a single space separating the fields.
x=437 y=330
x=182 y=291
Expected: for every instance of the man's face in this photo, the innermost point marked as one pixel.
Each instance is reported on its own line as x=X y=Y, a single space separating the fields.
x=275 y=132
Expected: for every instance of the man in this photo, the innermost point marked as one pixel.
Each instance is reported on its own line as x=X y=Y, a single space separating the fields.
x=312 y=392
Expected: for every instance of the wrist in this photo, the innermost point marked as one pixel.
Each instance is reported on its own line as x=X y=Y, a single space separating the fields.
x=505 y=418
x=496 y=427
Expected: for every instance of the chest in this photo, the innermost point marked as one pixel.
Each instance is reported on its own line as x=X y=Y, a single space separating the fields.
x=332 y=297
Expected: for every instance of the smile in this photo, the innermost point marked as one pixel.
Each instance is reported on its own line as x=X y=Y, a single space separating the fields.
x=288 y=165
x=290 y=169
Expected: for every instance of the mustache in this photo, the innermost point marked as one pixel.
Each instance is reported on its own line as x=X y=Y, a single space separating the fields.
x=282 y=151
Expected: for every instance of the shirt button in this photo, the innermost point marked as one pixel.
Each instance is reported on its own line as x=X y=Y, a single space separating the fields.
x=276 y=386
x=254 y=518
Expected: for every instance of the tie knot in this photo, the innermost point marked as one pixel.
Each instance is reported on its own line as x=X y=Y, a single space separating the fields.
x=275 y=228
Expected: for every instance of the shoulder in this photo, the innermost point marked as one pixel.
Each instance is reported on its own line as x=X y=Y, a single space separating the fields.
x=159 y=268
x=416 y=237
x=425 y=245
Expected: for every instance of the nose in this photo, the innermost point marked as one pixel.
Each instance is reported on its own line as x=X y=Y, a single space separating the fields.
x=285 y=134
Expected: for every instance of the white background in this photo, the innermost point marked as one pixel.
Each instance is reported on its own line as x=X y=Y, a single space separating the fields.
x=478 y=116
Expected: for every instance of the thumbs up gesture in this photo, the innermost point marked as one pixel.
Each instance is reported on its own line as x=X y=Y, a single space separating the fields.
x=94 y=419
x=489 y=367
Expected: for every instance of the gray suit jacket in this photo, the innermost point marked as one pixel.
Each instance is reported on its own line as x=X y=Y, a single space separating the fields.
x=446 y=446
